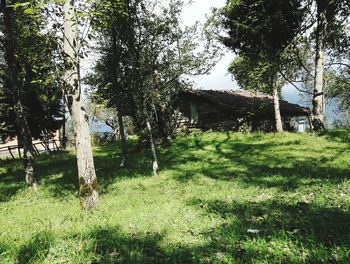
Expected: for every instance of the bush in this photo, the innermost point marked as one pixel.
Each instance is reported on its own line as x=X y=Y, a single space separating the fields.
x=102 y=138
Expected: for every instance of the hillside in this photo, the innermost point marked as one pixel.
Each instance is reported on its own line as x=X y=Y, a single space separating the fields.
x=220 y=198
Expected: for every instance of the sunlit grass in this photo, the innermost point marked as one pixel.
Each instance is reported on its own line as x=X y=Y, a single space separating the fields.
x=220 y=198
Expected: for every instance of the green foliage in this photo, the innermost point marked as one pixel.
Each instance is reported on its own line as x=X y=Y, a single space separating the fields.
x=337 y=34
x=259 y=27
x=99 y=139
x=37 y=78
x=151 y=53
x=339 y=86
x=260 y=32
x=251 y=75
x=220 y=198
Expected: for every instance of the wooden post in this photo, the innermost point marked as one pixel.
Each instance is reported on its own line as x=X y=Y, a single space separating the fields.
x=19 y=151
x=43 y=145
x=54 y=142
x=9 y=148
x=36 y=150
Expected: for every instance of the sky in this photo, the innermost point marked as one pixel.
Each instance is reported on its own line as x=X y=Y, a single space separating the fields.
x=218 y=79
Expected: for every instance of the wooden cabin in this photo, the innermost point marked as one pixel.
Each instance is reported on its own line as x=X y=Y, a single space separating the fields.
x=237 y=111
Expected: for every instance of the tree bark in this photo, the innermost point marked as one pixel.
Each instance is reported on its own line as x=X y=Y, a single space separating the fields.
x=120 y=116
x=88 y=190
x=318 y=97
x=64 y=136
x=15 y=89
x=123 y=140
x=28 y=150
x=28 y=168
x=47 y=143
x=153 y=148
x=276 y=105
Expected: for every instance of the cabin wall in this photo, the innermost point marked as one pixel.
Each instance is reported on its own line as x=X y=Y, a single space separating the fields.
x=299 y=124
x=210 y=116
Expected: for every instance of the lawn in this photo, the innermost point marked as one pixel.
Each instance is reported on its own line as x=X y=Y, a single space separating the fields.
x=220 y=198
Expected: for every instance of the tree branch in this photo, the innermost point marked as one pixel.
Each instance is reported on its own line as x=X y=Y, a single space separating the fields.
x=339 y=63
x=292 y=83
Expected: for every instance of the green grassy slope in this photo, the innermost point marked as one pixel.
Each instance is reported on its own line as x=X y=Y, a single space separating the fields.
x=220 y=198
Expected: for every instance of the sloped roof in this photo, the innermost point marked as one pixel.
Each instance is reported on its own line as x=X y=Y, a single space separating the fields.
x=246 y=102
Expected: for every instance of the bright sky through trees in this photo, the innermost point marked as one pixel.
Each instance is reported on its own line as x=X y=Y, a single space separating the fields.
x=219 y=78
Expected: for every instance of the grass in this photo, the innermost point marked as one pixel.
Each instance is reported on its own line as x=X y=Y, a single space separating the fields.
x=220 y=198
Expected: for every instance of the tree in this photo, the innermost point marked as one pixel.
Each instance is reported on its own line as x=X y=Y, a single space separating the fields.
x=113 y=22
x=257 y=76
x=144 y=55
x=324 y=25
x=88 y=191
x=260 y=31
x=42 y=94
x=14 y=83
x=27 y=105
x=339 y=86
x=99 y=112
x=330 y=14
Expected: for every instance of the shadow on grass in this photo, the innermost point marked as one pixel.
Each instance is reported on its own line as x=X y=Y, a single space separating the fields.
x=278 y=233
x=112 y=246
x=37 y=248
x=47 y=171
x=108 y=168
x=59 y=172
x=108 y=171
x=340 y=135
x=252 y=159
x=11 y=179
x=268 y=164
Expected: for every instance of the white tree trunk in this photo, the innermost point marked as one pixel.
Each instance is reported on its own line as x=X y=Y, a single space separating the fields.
x=123 y=162
x=86 y=171
x=276 y=106
x=318 y=98
x=153 y=149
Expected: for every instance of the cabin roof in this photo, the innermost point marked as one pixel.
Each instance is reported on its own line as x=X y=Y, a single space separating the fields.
x=245 y=102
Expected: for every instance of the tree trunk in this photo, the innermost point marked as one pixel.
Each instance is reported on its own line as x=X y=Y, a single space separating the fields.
x=123 y=140
x=28 y=168
x=318 y=97
x=15 y=89
x=88 y=191
x=153 y=148
x=115 y=85
x=64 y=136
x=163 y=125
x=276 y=105
x=28 y=150
x=47 y=143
